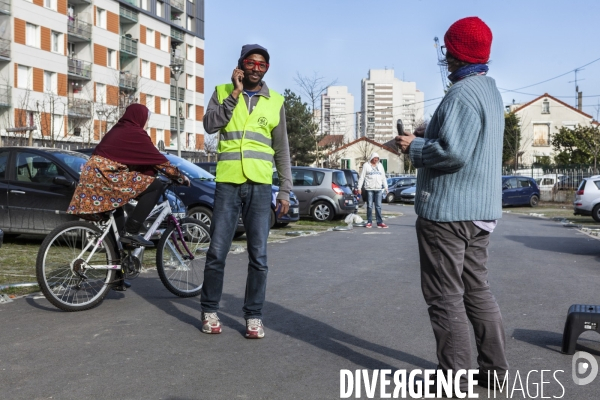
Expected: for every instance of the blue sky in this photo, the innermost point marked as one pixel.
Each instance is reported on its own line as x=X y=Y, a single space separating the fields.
x=341 y=40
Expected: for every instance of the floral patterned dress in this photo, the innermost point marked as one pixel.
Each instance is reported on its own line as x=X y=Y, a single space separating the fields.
x=105 y=185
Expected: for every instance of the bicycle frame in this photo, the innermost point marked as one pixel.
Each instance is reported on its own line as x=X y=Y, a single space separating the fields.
x=163 y=210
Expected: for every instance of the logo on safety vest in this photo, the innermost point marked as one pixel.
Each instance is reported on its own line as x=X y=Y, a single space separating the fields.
x=262 y=121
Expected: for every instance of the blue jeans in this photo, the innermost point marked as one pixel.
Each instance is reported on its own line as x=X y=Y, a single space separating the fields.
x=254 y=201
x=374 y=195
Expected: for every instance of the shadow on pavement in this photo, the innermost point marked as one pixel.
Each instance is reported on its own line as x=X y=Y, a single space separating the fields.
x=551 y=340
x=568 y=245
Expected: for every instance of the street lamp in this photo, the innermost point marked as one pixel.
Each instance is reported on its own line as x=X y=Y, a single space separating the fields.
x=100 y=114
x=176 y=70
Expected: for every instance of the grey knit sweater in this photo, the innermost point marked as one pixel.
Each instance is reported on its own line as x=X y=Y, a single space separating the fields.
x=460 y=157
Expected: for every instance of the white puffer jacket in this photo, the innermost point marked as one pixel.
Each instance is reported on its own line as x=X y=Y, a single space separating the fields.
x=372 y=176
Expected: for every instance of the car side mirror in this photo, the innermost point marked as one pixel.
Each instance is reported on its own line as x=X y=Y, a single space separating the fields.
x=61 y=180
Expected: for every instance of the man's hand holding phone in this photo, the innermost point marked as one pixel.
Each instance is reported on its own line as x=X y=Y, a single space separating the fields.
x=236 y=79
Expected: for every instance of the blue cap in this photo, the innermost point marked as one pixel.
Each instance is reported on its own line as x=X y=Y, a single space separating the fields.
x=252 y=49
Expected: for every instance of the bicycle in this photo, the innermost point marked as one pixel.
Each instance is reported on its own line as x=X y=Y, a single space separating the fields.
x=77 y=262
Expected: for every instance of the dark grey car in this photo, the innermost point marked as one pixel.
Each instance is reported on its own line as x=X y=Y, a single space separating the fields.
x=322 y=193
x=397 y=187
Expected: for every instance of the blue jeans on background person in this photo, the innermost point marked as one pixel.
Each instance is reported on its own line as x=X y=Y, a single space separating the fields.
x=374 y=196
x=254 y=201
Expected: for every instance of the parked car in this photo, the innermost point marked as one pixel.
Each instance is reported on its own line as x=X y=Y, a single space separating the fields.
x=352 y=179
x=587 y=198
x=1 y=237
x=546 y=182
x=322 y=193
x=519 y=190
x=210 y=167
x=408 y=195
x=397 y=187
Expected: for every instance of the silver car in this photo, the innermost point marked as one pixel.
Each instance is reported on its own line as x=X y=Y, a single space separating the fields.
x=587 y=198
x=322 y=193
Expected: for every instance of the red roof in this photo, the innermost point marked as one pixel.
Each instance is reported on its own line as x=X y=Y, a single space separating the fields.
x=555 y=99
x=374 y=143
x=329 y=140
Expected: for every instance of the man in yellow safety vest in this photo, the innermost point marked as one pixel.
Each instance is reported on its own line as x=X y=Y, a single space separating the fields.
x=252 y=139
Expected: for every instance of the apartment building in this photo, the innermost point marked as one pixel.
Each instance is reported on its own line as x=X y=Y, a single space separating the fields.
x=69 y=68
x=337 y=113
x=385 y=99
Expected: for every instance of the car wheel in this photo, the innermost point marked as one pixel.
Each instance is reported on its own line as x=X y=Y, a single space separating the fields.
x=273 y=219
x=390 y=198
x=534 y=201
x=238 y=235
x=596 y=213
x=202 y=214
x=322 y=211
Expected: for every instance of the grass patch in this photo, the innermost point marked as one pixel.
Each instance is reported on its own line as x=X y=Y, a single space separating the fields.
x=554 y=210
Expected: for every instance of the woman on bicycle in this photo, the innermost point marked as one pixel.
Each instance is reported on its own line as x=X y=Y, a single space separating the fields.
x=123 y=167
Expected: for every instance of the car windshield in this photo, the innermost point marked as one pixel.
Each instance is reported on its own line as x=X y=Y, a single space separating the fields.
x=73 y=161
x=190 y=170
x=339 y=178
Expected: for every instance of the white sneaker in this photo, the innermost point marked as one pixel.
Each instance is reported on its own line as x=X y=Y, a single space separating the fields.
x=254 y=328
x=210 y=323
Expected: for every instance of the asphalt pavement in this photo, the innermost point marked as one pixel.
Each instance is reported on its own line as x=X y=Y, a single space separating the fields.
x=338 y=300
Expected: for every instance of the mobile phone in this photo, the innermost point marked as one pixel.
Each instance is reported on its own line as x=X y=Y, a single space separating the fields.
x=400 y=127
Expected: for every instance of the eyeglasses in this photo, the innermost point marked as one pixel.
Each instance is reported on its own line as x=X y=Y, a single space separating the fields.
x=443 y=50
x=251 y=64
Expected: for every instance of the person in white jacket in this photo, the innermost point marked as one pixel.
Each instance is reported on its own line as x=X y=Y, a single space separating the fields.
x=373 y=176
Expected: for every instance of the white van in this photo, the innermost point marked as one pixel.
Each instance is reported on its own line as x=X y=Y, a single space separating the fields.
x=548 y=181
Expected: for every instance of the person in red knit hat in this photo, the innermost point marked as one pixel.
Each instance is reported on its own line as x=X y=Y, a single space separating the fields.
x=458 y=201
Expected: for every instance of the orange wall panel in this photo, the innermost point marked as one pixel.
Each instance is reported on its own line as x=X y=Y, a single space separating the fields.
x=19 y=31
x=143 y=99
x=153 y=135
x=95 y=15
x=38 y=2
x=167 y=138
x=112 y=95
x=16 y=74
x=45 y=38
x=167 y=74
x=61 y=6
x=100 y=55
x=20 y=117
x=199 y=84
x=62 y=84
x=157 y=39
x=156 y=105
x=45 y=123
x=112 y=22
x=142 y=34
x=199 y=113
x=199 y=55
x=38 y=80
x=199 y=141
x=152 y=71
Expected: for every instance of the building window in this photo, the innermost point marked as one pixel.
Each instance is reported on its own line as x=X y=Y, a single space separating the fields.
x=160 y=136
x=100 y=93
x=57 y=128
x=164 y=42
x=50 y=82
x=150 y=102
x=164 y=106
x=190 y=23
x=190 y=111
x=545 y=107
x=145 y=69
x=190 y=82
x=345 y=162
x=101 y=18
x=56 y=42
x=159 y=8
x=190 y=52
x=24 y=77
x=51 y=4
x=541 y=134
x=144 y=5
x=150 y=36
x=160 y=73
x=32 y=35
x=111 y=59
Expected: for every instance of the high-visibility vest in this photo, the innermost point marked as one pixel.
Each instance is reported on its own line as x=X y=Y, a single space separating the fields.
x=245 y=149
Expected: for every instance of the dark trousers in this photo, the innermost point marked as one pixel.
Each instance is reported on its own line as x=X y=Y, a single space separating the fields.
x=455 y=287
x=253 y=200
x=146 y=202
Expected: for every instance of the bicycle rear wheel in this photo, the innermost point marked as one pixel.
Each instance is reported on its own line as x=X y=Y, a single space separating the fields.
x=181 y=275
x=61 y=273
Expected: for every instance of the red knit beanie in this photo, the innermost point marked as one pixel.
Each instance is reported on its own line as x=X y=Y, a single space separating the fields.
x=470 y=40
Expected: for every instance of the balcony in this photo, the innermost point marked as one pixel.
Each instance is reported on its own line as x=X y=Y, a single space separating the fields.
x=181 y=93
x=5 y=7
x=128 y=81
x=174 y=124
x=79 y=31
x=179 y=61
x=79 y=108
x=178 y=5
x=5 y=49
x=177 y=21
x=129 y=46
x=127 y=15
x=80 y=69
x=5 y=95
x=177 y=35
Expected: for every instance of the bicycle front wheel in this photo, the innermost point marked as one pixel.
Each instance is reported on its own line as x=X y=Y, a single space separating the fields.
x=181 y=274
x=61 y=270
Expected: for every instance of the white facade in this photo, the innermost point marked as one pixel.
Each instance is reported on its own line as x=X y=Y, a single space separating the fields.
x=354 y=154
x=385 y=99
x=71 y=69
x=338 y=113
x=539 y=120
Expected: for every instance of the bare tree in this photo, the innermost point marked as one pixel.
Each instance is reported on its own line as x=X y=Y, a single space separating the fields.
x=365 y=148
x=313 y=87
x=211 y=143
